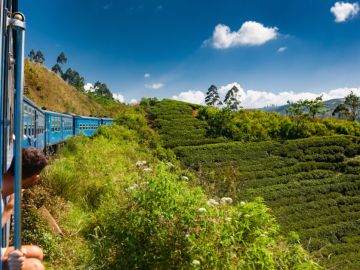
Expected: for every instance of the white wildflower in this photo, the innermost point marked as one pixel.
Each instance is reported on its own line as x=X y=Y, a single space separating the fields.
x=242 y=203
x=228 y=219
x=226 y=200
x=247 y=216
x=185 y=178
x=170 y=164
x=141 y=163
x=147 y=170
x=212 y=202
x=196 y=262
x=202 y=209
x=134 y=186
x=187 y=235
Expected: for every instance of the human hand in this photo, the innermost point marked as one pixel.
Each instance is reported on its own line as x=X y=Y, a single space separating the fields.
x=15 y=260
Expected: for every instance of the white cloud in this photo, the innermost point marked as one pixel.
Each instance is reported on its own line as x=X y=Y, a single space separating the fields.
x=250 y=34
x=154 y=86
x=282 y=49
x=259 y=99
x=147 y=75
x=251 y=99
x=195 y=97
x=344 y=11
x=89 y=87
x=133 y=102
x=119 y=97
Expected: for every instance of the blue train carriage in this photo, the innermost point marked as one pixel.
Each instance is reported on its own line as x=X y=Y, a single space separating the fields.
x=33 y=125
x=106 y=121
x=59 y=127
x=86 y=125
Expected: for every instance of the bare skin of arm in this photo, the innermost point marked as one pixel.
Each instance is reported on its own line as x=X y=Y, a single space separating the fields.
x=8 y=211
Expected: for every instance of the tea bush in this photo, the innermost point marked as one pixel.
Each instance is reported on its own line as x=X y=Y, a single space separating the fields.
x=312 y=185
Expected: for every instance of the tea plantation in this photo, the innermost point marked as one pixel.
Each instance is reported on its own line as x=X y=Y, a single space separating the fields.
x=177 y=124
x=312 y=186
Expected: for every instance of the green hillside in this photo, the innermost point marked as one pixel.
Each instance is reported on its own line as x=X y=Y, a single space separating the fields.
x=122 y=202
x=177 y=123
x=312 y=184
x=48 y=90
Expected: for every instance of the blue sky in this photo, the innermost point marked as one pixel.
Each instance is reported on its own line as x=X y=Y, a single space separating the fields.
x=273 y=50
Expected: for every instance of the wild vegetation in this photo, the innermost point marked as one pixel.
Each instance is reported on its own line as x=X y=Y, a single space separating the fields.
x=123 y=203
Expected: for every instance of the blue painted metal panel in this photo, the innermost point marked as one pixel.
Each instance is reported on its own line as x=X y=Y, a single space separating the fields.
x=67 y=127
x=86 y=125
x=33 y=125
x=107 y=121
x=54 y=127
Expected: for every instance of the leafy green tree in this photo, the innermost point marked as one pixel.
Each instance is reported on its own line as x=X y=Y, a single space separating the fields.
x=149 y=102
x=62 y=59
x=73 y=78
x=102 y=90
x=315 y=107
x=57 y=69
x=39 y=57
x=232 y=99
x=212 y=97
x=352 y=101
x=296 y=109
x=32 y=55
x=341 y=111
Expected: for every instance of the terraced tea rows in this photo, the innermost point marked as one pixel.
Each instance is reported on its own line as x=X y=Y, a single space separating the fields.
x=177 y=124
x=312 y=185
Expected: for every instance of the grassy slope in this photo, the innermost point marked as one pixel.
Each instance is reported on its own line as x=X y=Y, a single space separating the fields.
x=119 y=215
x=300 y=180
x=48 y=90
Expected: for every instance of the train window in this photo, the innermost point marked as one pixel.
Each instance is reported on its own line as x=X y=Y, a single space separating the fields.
x=25 y=127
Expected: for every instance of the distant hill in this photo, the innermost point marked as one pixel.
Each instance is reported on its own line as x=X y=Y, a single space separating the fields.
x=48 y=90
x=330 y=104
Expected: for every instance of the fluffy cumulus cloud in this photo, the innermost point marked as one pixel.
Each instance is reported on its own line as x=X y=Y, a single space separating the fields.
x=154 y=86
x=119 y=97
x=147 y=75
x=195 y=97
x=250 y=34
x=344 y=11
x=257 y=99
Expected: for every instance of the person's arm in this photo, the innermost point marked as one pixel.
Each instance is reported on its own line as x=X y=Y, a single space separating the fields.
x=8 y=211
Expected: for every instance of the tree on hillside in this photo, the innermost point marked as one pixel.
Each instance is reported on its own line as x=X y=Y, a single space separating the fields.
x=102 y=90
x=62 y=59
x=352 y=101
x=32 y=55
x=341 y=111
x=212 y=97
x=57 y=69
x=232 y=99
x=296 y=109
x=315 y=107
x=39 y=57
x=73 y=78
